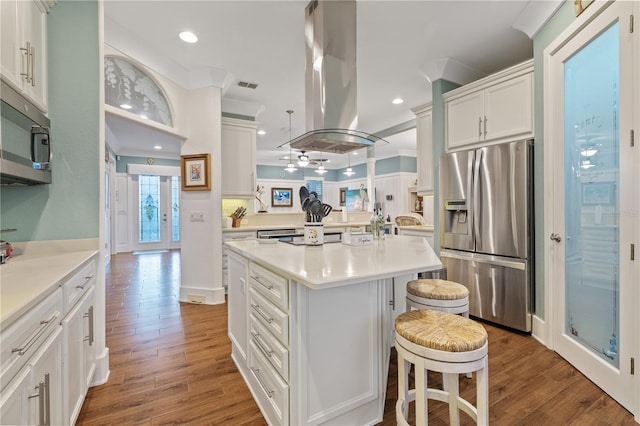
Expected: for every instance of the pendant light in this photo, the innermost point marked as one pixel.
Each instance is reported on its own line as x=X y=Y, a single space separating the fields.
x=321 y=170
x=349 y=171
x=303 y=160
x=290 y=167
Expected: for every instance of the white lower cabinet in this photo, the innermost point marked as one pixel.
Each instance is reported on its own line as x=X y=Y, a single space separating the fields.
x=34 y=396
x=79 y=354
x=313 y=356
x=231 y=236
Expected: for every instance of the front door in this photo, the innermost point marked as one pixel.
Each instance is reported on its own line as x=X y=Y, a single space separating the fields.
x=590 y=238
x=158 y=221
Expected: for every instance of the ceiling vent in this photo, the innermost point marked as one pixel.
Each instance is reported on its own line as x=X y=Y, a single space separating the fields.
x=247 y=85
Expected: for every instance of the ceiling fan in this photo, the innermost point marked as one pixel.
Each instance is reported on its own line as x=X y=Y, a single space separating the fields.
x=304 y=160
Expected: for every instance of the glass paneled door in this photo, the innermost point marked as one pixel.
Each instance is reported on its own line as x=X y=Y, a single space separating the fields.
x=592 y=272
x=158 y=210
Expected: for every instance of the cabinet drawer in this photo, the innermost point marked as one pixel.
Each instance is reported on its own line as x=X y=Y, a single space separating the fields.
x=23 y=338
x=77 y=286
x=271 y=392
x=273 y=350
x=273 y=286
x=268 y=314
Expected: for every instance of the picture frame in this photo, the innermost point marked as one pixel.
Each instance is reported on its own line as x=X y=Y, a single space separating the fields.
x=196 y=172
x=281 y=197
x=597 y=194
x=343 y=196
x=581 y=5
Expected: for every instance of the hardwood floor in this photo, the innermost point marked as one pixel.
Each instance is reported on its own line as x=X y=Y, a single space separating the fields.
x=170 y=364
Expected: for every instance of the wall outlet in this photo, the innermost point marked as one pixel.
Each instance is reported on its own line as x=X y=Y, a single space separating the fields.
x=196 y=217
x=195 y=298
x=389 y=197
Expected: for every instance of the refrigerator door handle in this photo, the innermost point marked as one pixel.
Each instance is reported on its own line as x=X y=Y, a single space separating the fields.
x=476 y=205
x=488 y=259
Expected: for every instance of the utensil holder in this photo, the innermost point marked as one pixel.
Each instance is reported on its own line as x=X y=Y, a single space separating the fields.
x=313 y=233
x=235 y=222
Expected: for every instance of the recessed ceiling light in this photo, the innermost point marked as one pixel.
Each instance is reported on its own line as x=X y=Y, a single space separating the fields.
x=262 y=132
x=188 y=37
x=158 y=147
x=397 y=101
x=126 y=106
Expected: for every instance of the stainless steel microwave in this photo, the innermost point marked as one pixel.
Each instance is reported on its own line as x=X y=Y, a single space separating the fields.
x=25 y=141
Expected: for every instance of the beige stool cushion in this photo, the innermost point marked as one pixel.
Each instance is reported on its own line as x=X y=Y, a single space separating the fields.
x=441 y=331
x=437 y=289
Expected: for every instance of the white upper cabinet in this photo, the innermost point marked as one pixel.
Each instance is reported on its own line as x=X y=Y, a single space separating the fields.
x=494 y=109
x=23 y=48
x=424 y=148
x=238 y=158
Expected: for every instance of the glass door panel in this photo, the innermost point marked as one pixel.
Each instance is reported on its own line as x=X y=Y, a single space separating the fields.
x=592 y=281
x=158 y=212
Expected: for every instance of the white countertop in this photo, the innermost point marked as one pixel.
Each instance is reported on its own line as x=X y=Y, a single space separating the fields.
x=336 y=264
x=25 y=280
x=289 y=226
x=422 y=228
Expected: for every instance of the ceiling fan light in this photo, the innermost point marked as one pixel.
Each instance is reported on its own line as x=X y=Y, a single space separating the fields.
x=303 y=160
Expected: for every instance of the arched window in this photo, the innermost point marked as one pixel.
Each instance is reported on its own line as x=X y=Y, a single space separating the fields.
x=129 y=88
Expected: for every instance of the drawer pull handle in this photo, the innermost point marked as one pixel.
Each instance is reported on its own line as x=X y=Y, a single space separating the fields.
x=264 y=387
x=34 y=337
x=262 y=314
x=256 y=278
x=40 y=396
x=89 y=315
x=86 y=280
x=265 y=350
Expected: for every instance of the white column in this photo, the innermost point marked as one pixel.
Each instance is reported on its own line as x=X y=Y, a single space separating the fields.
x=371 y=177
x=201 y=242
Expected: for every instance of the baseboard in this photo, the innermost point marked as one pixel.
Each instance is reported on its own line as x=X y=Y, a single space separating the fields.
x=101 y=375
x=205 y=296
x=539 y=331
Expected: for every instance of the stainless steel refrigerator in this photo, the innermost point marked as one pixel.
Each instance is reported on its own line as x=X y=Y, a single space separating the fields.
x=486 y=229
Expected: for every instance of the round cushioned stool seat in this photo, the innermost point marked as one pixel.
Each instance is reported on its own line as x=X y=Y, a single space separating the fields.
x=442 y=342
x=437 y=289
x=441 y=331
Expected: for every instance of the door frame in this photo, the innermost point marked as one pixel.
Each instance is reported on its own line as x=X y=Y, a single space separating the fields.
x=132 y=183
x=554 y=131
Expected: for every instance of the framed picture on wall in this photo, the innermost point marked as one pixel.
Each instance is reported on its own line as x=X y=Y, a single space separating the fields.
x=281 y=197
x=343 y=196
x=196 y=172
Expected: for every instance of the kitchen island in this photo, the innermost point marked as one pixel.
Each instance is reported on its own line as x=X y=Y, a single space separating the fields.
x=312 y=327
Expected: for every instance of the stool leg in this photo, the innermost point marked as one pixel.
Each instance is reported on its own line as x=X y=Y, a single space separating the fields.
x=422 y=415
x=454 y=390
x=403 y=384
x=482 y=394
x=466 y=315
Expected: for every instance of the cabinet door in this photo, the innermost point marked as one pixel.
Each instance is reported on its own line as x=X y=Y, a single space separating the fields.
x=9 y=45
x=35 y=29
x=509 y=108
x=47 y=362
x=238 y=317
x=76 y=343
x=464 y=120
x=424 y=152
x=15 y=397
x=238 y=159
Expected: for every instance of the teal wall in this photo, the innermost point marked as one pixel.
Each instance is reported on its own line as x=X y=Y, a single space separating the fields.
x=123 y=160
x=384 y=166
x=563 y=17
x=69 y=207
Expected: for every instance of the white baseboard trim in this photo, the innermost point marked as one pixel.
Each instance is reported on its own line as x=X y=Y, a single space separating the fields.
x=205 y=296
x=101 y=375
x=539 y=331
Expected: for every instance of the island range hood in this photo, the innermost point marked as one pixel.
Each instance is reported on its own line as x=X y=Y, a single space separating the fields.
x=331 y=95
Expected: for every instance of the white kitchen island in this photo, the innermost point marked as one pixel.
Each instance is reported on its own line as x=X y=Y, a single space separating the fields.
x=312 y=327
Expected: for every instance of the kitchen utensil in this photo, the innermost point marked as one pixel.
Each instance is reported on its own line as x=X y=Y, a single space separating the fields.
x=313 y=195
x=326 y=209
x=304 y=194
x=315 y=208
x=305 y=204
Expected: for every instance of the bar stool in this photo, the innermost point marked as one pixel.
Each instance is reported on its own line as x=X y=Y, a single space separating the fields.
x=446 y=343
x=439 y=295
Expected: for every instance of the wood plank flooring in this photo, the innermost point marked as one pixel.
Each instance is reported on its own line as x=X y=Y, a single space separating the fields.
x=170 y=364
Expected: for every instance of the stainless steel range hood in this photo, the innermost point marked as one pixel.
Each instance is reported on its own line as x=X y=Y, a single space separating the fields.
x=331 y=90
